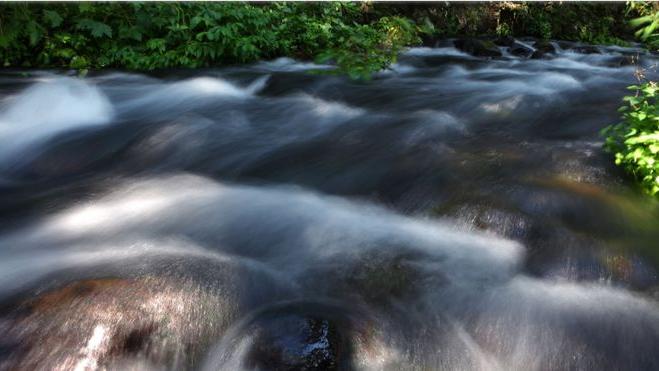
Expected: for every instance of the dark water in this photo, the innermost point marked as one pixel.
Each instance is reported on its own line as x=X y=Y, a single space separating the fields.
x=453 y=213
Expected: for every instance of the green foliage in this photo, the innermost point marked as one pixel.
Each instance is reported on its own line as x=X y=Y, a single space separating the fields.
x=359 y=38
x=161 y=35
x=503 y=29
x=364 y=49
x=635 y=141
x=646 y=23
x=594 y=23
x=591 y=22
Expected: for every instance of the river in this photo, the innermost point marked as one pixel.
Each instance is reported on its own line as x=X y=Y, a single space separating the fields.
x=452 y=213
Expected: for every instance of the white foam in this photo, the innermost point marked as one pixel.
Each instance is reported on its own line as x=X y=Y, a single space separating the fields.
x=190 y=92
x=287 y=221
x=447 y=51
x=49 y=108
x=214 y=86
x=325 y=108
x=433 y=124
x=398 y=68
x=501 y=317
x=285 y=64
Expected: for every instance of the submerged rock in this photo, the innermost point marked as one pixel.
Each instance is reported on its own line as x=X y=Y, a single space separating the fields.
x=479 y=48
x=297 y=335
x=112 y=323
x=163 y=317
x=566 y=44
x=377 y=276
x=295 y=342
x=623 y=61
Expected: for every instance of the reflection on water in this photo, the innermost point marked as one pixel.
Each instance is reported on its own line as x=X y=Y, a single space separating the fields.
x=453 y=213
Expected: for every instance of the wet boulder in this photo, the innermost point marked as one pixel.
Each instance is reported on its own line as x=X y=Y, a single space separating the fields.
x=430 y=41
x=565 y=45
x=521 y=50
x=283 y=83
x=293 y=335
x=378 y=277
x=537 y=55
x=478 y=48
x=165 y=316
x=622 y=61
x=295 y=342
x=545 y=46
x=542 y=48
x=111 y=323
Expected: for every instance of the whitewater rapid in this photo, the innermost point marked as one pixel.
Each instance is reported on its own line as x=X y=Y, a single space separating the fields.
x=453 y=213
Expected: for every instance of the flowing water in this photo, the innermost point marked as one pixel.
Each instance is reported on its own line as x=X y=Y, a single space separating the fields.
x=453 y=213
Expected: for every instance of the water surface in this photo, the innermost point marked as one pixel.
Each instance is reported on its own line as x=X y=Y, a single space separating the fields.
x=452 y=213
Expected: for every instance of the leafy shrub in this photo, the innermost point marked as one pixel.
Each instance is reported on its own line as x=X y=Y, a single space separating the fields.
x=596 y=23
x=161 y=35
x=359 y=37
x=370 y=48
x=635 y=141
x=591 y=22
x=646 y=22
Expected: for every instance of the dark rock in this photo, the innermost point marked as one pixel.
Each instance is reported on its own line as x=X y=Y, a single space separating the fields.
x=55 y=325
x=284 y=83
x=566 y=44
x=623 y=61
x=430 y=41
x=544 y=47
x=299 y=337
x=528 y=39
x=156 y=321
x=587 y=49
x=521 y=50
x=380 y=276
x=296 y=343
x=505 y=41
x=537 y=55
x=479 y=48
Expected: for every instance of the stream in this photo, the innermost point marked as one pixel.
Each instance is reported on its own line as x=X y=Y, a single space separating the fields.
x=453 y=213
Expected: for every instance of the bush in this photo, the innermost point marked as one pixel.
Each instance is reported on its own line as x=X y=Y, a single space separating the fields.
x=646 y=22
x=160 y=35
x=635 y=141
x=360 y=38
x=591 y=22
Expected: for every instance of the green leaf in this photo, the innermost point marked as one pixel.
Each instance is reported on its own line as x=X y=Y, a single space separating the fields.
x=34 y=32
x=647 y=31
x=85 y=7
x=130 y=32
x=97 y=29
x=641 y=20
x=52 y=17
